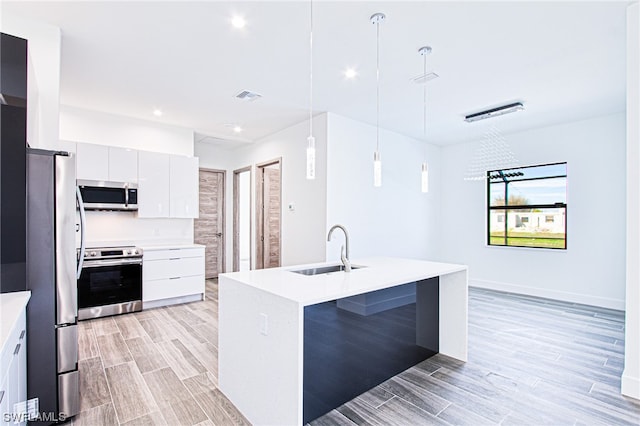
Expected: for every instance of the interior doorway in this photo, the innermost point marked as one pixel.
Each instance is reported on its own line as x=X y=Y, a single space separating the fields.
x=242 y=219
x=208 y=229
x=268 y=213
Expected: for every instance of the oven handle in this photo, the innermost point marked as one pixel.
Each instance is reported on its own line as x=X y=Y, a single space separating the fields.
x=111 y=262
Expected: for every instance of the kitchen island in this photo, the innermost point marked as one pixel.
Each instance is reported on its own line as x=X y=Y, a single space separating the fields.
x=293 y=346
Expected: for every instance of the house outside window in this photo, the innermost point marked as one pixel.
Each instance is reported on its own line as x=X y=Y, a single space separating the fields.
x=526 y=206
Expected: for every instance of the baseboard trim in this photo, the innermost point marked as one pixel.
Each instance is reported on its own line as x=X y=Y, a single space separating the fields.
x=582 y=299
x=630 y=386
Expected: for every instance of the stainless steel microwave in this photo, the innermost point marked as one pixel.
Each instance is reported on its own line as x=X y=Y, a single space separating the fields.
x=102 y=195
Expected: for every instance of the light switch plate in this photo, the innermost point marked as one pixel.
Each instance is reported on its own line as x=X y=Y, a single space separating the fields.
x=264 y=324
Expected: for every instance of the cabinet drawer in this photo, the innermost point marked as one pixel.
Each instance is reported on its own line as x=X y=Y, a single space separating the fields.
x=173 y=253
x=172 y=268
x=166 y=288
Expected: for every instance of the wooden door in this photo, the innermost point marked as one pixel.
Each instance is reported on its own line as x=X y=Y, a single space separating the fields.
x=271 y=250
x=209 y=227
x=268 y=215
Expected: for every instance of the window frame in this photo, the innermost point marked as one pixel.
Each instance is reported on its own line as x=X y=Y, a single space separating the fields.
x=507 y=209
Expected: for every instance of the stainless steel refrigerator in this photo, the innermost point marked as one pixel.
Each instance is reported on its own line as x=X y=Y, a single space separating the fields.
x=52 y=328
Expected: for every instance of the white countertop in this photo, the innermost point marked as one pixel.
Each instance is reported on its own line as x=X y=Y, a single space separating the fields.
x=378 y=273
x=11 y=306
x=150 y=247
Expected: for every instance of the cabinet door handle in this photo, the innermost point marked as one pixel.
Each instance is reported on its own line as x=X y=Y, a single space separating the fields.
x=22 y=334
x=17 y=349
x=175 y=258
x=174 y=278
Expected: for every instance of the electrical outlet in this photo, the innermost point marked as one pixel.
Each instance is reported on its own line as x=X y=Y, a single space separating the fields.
x=264 y=324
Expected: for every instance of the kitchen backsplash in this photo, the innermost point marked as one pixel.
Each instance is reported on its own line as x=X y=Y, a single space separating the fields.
x=106 y=228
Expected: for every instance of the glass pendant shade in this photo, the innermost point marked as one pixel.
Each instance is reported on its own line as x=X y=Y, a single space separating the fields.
x=425 y=177
x=377 y=169
x=311 y=158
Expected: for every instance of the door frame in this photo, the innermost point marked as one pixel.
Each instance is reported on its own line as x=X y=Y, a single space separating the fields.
x=222 y=269
x=236 y=217
x=259 y=214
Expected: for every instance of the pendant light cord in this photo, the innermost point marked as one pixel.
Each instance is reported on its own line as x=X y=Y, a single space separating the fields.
x=377 y=86
x=424 y=101
x=311 y=68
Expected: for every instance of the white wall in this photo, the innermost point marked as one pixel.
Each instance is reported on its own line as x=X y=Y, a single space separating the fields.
x=78 y=125
x=631 y=373
x=591 y=270
x=44 y=66
x=396 y=219
x=244 y=220
x=303 y=229
x=113 y=228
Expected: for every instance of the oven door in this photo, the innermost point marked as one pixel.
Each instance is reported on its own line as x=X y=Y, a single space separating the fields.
x=109 y=282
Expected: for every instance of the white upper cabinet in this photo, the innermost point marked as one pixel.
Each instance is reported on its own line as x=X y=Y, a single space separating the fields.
x=123 y=165
x=100 y=162
x=153 y=184
x=92 y=162
x=183 y=188
x=167 y=184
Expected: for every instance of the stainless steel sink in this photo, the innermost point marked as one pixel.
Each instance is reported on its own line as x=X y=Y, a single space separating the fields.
x=324 y=269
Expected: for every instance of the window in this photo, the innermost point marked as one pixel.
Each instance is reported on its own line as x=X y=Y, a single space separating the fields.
x=527 y=206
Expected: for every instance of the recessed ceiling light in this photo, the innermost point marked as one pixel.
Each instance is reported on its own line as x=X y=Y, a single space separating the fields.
x=238 y=22
x=157 y=112
x=233 y=126
x=350 y=73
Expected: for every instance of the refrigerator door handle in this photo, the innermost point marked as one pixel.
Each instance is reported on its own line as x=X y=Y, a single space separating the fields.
x=83 y=222
x=65 y=253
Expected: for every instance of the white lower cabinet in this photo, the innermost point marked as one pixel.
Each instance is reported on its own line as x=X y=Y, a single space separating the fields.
x=13 y=374
x=172 y=275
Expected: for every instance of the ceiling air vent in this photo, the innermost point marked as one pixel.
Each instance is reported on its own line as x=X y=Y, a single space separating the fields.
x=247 y=95
x=423 y=78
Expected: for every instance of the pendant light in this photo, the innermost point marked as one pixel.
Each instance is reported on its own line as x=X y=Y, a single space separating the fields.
x=376 y=19
x=311 y=141
x=424 y=175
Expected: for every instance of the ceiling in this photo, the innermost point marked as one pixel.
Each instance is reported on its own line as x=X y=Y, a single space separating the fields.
x=563 y=60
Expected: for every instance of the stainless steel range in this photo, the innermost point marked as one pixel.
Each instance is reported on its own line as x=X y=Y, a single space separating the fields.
x=110 y=282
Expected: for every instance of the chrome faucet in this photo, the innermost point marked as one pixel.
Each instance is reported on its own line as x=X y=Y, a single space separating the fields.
x=344 y=257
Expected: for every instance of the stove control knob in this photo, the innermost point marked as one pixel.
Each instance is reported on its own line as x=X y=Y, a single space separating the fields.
x=93 y=254
x=135 y=251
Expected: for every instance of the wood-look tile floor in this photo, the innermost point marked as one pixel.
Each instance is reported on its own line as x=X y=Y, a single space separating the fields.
x=155 y=367
x=531 y=362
